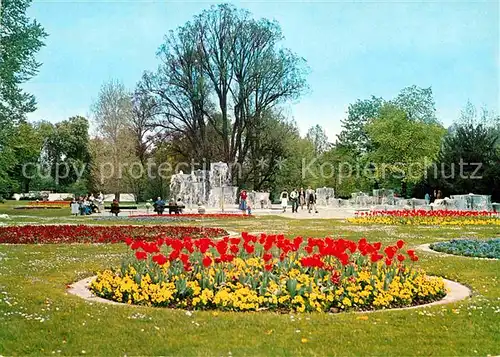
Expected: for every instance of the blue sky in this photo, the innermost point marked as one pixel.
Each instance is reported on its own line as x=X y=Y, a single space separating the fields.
x=354 y=50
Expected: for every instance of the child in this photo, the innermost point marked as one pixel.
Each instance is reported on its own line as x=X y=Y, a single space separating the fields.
x=75 y=207
x=284 y=200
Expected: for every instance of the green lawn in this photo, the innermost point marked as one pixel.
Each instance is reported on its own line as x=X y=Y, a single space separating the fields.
x=38 y=317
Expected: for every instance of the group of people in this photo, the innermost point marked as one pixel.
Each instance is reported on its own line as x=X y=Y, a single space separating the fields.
x=86 y=205
x=299 y=198
x=173 y=206
x=296 y=197
x=435 y=195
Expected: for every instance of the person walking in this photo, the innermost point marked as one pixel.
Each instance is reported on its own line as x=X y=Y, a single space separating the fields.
x=302 y=198
x=243 y=201
x=315 y=200
x=100 y=202
x=308 y=196
x=311 y=200
x=294 y=196
x=284 y=199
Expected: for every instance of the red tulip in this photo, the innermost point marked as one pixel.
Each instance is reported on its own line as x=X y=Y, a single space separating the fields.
x=390 y=251
x=173 y=255
x=313 y=262
x=226 y=258
x=221 y=247
x=267 y=257
x=206 y=261
x=250 y=249
x=375 y=257
x=136 y=245
x=160 y=259
x=235 y=241
x=297 y=242
x=184 y=258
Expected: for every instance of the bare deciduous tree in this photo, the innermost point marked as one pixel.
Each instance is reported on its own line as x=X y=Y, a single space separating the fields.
x=219 y=74
x=114 y=149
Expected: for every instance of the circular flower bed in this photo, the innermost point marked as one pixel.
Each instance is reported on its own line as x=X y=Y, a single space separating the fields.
x=268 y=272
x=428 y=218
x=470 y=247
x=47 y=234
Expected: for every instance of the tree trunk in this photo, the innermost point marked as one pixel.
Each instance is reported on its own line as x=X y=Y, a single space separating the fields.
x=403 y=189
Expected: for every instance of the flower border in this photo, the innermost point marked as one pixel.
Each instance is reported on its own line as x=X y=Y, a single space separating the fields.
x=457 y=292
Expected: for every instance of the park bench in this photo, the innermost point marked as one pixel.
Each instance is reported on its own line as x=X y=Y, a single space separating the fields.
x=358 y=210
x=174 y=209
x=171 y=209
x=130 y=209
x=108 y=208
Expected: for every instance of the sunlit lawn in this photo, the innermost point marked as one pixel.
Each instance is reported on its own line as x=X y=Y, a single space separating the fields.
x=37 y=316
x=11 y=208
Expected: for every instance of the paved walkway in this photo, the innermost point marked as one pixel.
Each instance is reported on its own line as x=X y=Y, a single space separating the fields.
x=323 y=212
